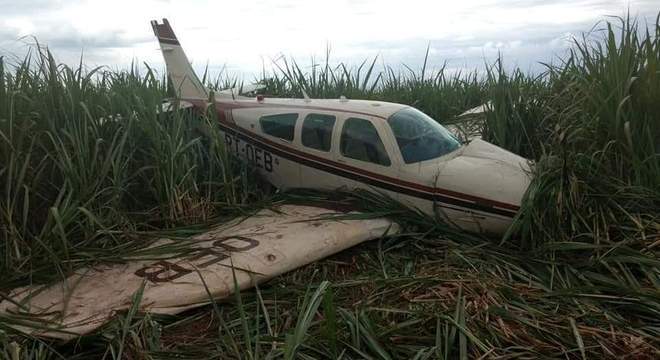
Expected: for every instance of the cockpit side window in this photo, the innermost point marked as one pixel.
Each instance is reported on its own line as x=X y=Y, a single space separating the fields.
x=359 y=140
x=317 y=131
x=420 y=137
x=280 y=125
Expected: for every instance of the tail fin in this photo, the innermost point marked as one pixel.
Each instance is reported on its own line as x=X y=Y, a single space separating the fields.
x=181 y=74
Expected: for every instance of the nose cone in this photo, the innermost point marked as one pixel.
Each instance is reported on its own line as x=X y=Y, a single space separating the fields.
x=489 y=172
x=481 y=149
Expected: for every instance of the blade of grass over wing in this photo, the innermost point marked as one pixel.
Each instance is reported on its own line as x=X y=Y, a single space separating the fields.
x=127 y=322
x=311 y=303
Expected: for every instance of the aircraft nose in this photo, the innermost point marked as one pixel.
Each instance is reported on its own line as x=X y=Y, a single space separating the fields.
x=491 y=175
x=505 y=175
x=487 y=180
x=478 y=148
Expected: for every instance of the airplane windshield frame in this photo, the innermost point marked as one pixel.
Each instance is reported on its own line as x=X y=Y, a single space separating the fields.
x=420 y=137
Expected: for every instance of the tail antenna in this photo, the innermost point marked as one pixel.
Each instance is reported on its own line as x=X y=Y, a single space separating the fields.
x=305 y=96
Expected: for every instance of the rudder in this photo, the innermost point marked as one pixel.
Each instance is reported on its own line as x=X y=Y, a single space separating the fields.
x=180 y=72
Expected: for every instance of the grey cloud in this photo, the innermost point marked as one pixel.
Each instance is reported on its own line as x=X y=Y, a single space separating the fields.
x=532 y=3
x=66 y=37
x=525 y=47
x=69 y=38
x=68 y=43
x=27 y=7
x=7 y=33
x=534 y=43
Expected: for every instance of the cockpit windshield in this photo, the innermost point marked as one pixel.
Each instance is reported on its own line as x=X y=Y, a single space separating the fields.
x=419 y=136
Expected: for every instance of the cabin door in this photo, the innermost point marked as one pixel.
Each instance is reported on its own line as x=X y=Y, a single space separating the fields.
x=317 y=133
x=363 y=149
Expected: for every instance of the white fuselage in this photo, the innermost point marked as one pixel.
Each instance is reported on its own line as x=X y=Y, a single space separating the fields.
x=477 y=187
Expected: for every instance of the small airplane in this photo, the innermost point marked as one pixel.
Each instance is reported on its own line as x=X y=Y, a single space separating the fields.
x=341 y=143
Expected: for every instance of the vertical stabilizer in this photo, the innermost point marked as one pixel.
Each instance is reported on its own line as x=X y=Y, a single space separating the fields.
x=181 y=74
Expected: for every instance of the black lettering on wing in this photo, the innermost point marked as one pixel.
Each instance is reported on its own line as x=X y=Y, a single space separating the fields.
x=247 y=243
x=213 y=256
x=162 y=271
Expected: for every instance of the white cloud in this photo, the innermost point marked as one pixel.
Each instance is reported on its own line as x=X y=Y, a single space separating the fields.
x=241 y=34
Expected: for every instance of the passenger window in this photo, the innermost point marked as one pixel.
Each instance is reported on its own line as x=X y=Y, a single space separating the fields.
x=317 y=131
x=360 y=141
x=280 y=125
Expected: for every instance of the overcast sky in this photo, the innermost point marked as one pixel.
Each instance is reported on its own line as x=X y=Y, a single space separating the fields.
x=242 y=35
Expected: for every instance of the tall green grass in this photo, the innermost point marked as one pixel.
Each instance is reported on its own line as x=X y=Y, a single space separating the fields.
x=86 y=155
x=440 y=93
x=596 y=140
